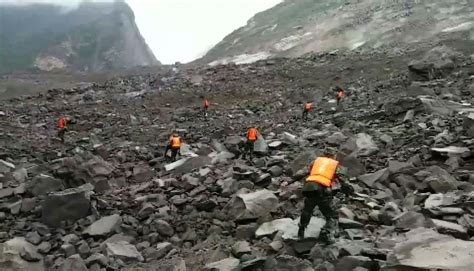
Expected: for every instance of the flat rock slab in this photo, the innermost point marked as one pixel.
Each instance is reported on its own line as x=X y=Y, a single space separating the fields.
x=427 y=249
x=453 y=150
x=289 y=228
x=124 y=251
x=104 y=226
x=254 y=205
x=229 y=264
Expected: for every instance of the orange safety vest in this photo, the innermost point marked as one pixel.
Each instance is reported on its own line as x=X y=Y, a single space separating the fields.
x=252 y=134
x=340 y=94
x=175 y=142
x=323 y=171
x=206 y=103
x=62 y=122
x=308 y=106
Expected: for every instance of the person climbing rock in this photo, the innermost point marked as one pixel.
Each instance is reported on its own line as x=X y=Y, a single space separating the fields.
x=175 y=146
x=340 y=94
x=306 y=109
x=62 y=127
x=251 y=138
x=317 y=191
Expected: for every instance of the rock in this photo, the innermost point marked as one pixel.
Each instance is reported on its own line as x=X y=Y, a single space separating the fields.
x=30 y=254
x=401 y=105
x=336 y=139
x=450 y=228
x=68 y=249
x=427 y=249
x=222 y=158
x=289 y=228
x=468 y=124
x=176 y=164
x=163 y=227
x=246 y=231
x=97 y=258
x=275 y=144
x=10 y=258
x=388 y=213
x=438 y=200
x=453 y=150
x=409 y=116
x=70 y=204
x=162 y=249
x=260 y=146
x=346 y=223
x=142 y=173
x=43 y=184
x=104 y=226
x=6 y=166
x=71 y=239
x=44 y=247
x=74 y=262
x=288 y=263
x=33 y=237
x=371 y=178
x=83 y=249
x=276 y=245
x=436 y=63
x=20 y=175
x=354 y=262
x=124 y=251
x=289 y=138
x=7 y=192
x=365 y=145
x=440 y=181
x=206 y=205
x=240 y=248
x=412 y=220
x=354 y=166
x=253 y=205
x=275 y=171
x=229 y=264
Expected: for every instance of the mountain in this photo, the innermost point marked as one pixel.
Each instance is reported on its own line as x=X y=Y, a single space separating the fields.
x=296 y=27
x=91 y=37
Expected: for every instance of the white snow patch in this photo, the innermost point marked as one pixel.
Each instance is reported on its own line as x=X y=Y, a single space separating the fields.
x=460 y=27
x=290 y=42
x=242 y=59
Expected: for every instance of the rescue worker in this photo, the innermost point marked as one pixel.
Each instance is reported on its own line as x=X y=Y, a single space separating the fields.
x=306 y=108
x=317 y=191
x=251 y=138
x=339 y=94
x=205 y=106
x=62 y=126
x=175 y=146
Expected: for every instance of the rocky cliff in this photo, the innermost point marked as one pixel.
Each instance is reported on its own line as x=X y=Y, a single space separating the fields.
x=296 y=27
x=91 y=37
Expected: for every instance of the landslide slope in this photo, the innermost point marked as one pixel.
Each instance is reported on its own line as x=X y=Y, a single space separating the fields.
x=295 y=27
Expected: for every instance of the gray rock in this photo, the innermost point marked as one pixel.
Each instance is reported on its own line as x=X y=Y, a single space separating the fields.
x=83 y=249
x=104 y=226
x=7 y=192
x=70 y=204
x=74 y=262
x=439 y=200
x=229 y=264
x=336 y=139
x=260 y=146
x=388 y=213
x=288 y=263
x=30 y=254
x=44 y=247
x=289 y=138
x=68 y=249
x=450 y=228
x=354 y=262
x=440 y=181
x=162 y=249
x=240 y=248
x=350 y=224
x=33 y=237
x=427 y=249
x=10 y=259
x=275 y=171
x=124 y=251
x=20 y=175
x=246 y=231
x=411 y=220
x=163 y=227
x=468 y=124
x=176 y=164
x=365 y=145
x=6 y=167
x=71 y=239
x=289 y=228
x=43 y=184
x=97 y=258
x=253 y=205
x=371 y=178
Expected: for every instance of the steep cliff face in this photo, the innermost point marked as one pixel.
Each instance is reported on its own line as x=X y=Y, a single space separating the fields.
x=295 y=27
x=92 y=37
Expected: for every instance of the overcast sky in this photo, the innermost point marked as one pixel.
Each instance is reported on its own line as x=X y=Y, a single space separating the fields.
x=182 y=30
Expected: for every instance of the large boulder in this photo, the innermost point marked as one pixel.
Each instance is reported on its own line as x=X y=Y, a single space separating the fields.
x=70 y=204
x=253 y=205
x=43 y=184
x=426 y=249
x=229 y=264
x=436 y=63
